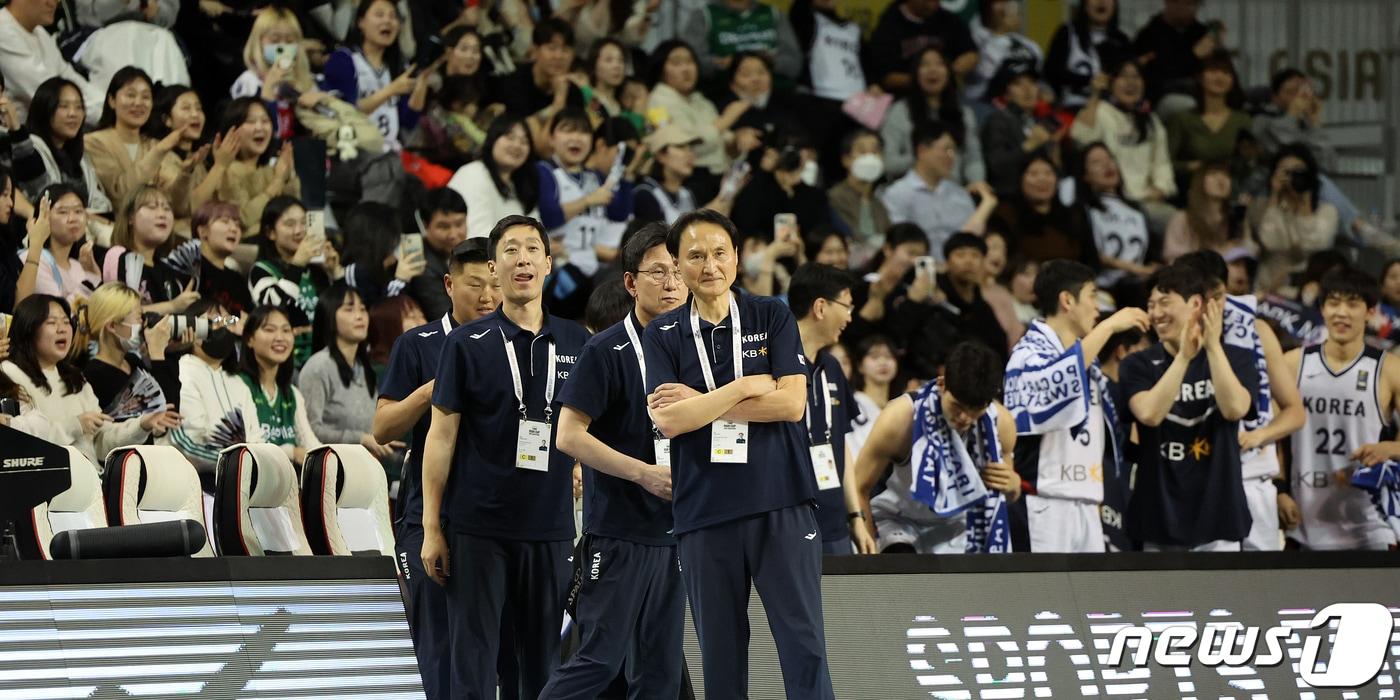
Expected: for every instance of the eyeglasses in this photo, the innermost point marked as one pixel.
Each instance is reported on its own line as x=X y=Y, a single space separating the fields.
x=848 y=307
x=660 y=276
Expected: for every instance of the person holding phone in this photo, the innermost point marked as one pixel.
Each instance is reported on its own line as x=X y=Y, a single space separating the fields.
x=284 y=275
x=369 y=72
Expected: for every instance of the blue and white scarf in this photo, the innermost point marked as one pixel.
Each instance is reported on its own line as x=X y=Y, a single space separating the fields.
x=1240 y=331
x=946 y=476
x=1382 y=481
x=1046 y=387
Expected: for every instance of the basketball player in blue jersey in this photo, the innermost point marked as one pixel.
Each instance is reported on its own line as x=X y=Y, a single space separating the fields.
x=1349 y=392
x=1278 y=412
x=405 y=395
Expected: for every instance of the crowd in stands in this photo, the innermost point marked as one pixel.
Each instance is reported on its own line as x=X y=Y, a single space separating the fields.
x=230 y=257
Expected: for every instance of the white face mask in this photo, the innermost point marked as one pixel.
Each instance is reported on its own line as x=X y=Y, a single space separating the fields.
x=810 y=173
x=868 y=167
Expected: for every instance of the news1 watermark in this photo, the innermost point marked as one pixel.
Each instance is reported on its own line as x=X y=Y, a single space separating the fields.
x=1359 y=634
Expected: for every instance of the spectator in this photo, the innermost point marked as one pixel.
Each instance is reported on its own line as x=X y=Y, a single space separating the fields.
x=853 y=201
x=252 y=178
x=1389 y=307
x=1119 y=227
x=932 y=96
x=1207 y=222
x=1294 y=115
x=750 y=80
x=907 y=28
x=376 y=265
x=125 y=384
x=607 y=69
x=369 y=72
x=663 y=196
x=218 y=231
x=388 y=320
x=540 y=89
x=994 y=292
x=338 y=381
x=504 y=26
x=1208 y=133
x=41 y=335
x=996 y=31
x=961 y=285
x=1014 y=134
x=442 y=218
x=876 y=366
x=1135 y=136
x=720 y=30
x=503 y=181
x=454 y=127
x=583 y=212
x=284 y=275
x=1080 y=50
x=145 y=230
x=216 y=408
x=122 y=157
x=1241 y=267
x=623 y=22
x=675 y=99
x=831 y=68
x=781 y=191
x=927 y=196
x=1293 y=222
x=184 y=175
x=1037 y=225
x=11 y=128
x=100 y=13
x=885 y=285
x=266 y=369
x=1172 y=45
x=10 y=238
x=49 y=266
x=827 y=246
x=273 y=58
x=1020 y=276
x=29 y=56
x=54 y=152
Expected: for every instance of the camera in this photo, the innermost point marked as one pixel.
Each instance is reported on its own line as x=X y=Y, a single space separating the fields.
x=181 y=323
x=1302 y=180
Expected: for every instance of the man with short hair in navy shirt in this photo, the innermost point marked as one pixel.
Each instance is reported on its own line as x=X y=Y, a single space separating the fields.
x=509 y=514
x=728 y=385
x=631 y=606
x=820 y=297
x=405 y=395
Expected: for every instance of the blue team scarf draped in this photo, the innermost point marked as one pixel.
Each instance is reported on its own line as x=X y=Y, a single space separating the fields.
x=946 y=478
x=1238 y=320
x=1046 y=387
x=1382 y=481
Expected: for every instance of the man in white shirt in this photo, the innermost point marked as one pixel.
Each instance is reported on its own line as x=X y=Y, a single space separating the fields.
x=29 y=56
x=927 y=197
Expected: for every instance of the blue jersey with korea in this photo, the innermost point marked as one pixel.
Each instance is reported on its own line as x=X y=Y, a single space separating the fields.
x=412 y=363
x=606 y=385
x=779 y=469
x=831 y=503
x=487 y=495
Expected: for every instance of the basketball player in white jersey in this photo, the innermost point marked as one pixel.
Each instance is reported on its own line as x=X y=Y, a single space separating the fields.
x=1349 y=391
x=1278 y=410
x=966 y=390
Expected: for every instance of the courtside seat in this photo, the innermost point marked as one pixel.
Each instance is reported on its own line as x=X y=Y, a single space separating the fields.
x=152 y=484
x=256 y=512
x=79 y=508
x=345 y=502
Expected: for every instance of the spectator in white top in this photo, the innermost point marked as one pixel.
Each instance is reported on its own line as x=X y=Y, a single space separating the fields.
x=503 y=181
x=1292 y=223
x=29 y=56
x=99 y=13
x=49 y=267
x=1125 y=123
x=933 y=95
x=1080 y=48
x=996 y=30
x=928 y=197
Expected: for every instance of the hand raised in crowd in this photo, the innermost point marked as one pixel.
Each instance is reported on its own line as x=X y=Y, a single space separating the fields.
x=1098 y=84
x=88 y=259
x=213 y=8
x=307 y=249
x=38 y=228
x=92 y=421
x=158 y=338
x=9 y=117
x=186 y=297
x=1001 y=477
x=1207 y=44
x=1128 y=318
x=986 y=196
x=272 y=80
x=330 y=261
x=410 y=266
x=226 y=147
x=601 y=197
x=159 y=422
x=403 y=84
x=656 y=479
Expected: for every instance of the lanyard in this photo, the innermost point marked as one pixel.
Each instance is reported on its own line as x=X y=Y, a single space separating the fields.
x=700 y=342
x=515 y=376
x=636 y=339
x=447 y=326
x=826 y=404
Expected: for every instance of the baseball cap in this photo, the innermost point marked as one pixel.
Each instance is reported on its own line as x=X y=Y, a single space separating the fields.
x=671 y=135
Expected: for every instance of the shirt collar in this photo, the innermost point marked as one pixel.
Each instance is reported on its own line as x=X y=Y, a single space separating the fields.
x=739 y=295
x=512 y=331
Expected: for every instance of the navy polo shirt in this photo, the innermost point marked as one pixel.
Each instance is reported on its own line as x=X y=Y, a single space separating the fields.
x=412 y=363
x=606 y=385
x=487 y=495
x=831 y=503
x=779 y=470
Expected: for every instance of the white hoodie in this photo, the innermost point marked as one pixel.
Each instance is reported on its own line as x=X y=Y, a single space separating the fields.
x=217 y=411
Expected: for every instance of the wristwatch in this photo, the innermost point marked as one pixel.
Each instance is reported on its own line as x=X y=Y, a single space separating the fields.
x=855 y=515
